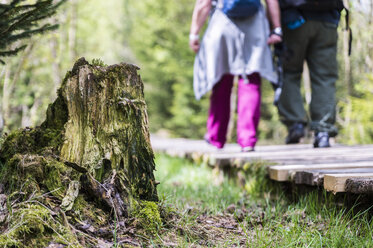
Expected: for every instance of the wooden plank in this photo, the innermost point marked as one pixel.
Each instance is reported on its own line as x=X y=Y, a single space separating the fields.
x=337 y=182
x=359 y=185
x=316 y=177
x=314 y=153
x=283 y=172
x=322 y=160
x=310 y=156
x=281 y=154
x=187 y=145
x=348 y=158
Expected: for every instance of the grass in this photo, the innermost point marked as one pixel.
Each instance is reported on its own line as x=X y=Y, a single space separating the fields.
x=186 y=185
x=198 y=213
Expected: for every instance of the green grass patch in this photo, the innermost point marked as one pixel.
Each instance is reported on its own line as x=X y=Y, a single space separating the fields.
x=187 y=185
x=197 y=212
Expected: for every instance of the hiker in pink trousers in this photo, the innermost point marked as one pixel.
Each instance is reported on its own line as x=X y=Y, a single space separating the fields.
x=233 y=46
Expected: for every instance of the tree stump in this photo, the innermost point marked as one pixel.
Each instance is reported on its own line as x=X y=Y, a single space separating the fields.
x=86 y=169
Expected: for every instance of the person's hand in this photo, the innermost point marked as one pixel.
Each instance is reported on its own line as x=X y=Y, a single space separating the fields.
x=273 y=39
x=194 y=44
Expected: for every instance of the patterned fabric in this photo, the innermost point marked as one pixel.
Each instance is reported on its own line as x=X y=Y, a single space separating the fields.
x=237 y=47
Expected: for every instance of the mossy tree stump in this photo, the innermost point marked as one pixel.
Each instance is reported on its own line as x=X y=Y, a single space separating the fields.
x=88 y=167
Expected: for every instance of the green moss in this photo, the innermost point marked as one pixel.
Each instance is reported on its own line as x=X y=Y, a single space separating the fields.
x=22 y=173
x=54 y=180
x=51 y=138
x=34 y=226
x=30 y=141
x=147 y=213
x=1 y=140
x=17 y=142
x=44 y=171
x=83 y=210
x=98 y=62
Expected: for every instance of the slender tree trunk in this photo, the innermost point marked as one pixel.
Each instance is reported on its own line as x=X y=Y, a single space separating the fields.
x=1 y=122
x=26 y=54
x=10 y=83
x=371 y=12
x=6 y=96
x=2 y=72
x=26 y=120
x=34 y=111
x=72 y=29
x=1 y=109
x=56 y=71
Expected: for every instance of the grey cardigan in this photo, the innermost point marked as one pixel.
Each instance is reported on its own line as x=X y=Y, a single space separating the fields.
x=230 y=46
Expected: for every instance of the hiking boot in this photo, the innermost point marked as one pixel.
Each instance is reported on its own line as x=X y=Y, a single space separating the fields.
x=321 y=140
x=296 y=132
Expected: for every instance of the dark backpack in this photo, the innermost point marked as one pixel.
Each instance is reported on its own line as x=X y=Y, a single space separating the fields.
x=314 y=5
x=240 y=8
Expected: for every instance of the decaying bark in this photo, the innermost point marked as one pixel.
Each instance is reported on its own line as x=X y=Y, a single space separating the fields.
x=359 y=185
x=89 y=164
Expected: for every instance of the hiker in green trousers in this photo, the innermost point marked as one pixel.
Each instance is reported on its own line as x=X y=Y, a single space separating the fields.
x=311 y=36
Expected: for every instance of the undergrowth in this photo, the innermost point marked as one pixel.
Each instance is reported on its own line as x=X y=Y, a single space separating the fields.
x=195 y=211
x=198 y=213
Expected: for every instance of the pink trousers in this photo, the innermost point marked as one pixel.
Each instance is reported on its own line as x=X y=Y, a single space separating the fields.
x=248 y=110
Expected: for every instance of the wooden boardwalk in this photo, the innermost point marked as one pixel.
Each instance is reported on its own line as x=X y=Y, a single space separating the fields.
x=338 y=169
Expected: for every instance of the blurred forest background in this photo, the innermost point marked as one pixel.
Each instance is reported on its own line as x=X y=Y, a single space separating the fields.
x=154 y=35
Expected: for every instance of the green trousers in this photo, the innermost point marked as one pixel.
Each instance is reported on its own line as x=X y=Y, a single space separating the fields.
x=316 y=43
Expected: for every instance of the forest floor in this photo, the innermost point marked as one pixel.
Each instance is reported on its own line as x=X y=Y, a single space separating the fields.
x=262 y=213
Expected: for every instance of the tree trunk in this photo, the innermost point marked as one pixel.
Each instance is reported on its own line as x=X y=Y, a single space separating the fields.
x=26 y=119
x=371 y=12
x=5 y=98
x=89 y=163
x=1 y=100
x=55 y=64
x=10 y=80
x=72 y=29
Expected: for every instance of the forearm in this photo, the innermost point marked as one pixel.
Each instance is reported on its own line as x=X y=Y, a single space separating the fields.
x=200 y=14
x=273 y=10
